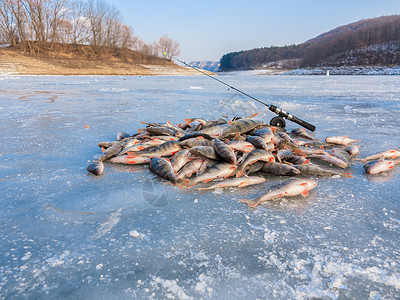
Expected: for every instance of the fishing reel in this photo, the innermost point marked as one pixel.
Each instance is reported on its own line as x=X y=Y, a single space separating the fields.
x=278 y=122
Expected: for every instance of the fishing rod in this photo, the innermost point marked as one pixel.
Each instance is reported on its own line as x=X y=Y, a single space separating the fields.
x=276 y=121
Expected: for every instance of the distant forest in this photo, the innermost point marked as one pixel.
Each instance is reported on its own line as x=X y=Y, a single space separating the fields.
x=34 y=23
x=315 y=51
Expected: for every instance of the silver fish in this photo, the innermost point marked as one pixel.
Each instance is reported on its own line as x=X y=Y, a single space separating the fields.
x=332 y=160
x=190 y=168
x=194 y=142
x=391 y=153
x=239 y=182
x=310 y=169
x=130 y=160
x=340 y=140
x=180 y=159
x=257 y=141
x=379 y=166
x=352 y=149
x=205 y=151
x=166 y=149
x=276 y=168
x=163 y=168
x=224 y=151
x=96 y=168
x=217 y=171
x=241 y=146
x=255 y=155
x=240 y=126
x=301 y=132
x=113 y=150
x=287 y=189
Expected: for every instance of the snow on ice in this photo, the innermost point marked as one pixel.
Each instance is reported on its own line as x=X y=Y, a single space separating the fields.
x=124 y=235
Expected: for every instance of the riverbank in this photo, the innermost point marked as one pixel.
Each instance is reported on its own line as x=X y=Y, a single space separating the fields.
x=15 y=63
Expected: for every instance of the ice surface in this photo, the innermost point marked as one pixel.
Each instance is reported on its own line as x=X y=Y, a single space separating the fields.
x=66 y=234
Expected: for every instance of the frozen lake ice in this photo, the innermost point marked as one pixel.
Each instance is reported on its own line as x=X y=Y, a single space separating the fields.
x=66 y=234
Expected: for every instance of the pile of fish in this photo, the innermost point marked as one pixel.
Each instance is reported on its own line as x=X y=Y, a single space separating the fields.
x=232 y=153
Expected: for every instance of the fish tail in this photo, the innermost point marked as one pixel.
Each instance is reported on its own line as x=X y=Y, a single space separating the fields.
x=182 y=182
x=250 y=202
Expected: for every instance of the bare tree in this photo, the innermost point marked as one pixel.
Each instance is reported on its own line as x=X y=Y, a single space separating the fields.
x=7 y=22
x=169 y=47
x=96 y=12
x=57 y=15
x=127 y=37
x=78 y=24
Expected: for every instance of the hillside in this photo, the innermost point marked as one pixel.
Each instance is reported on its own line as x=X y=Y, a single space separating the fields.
x=212 y=66
x=366 y=42
x=64 y=59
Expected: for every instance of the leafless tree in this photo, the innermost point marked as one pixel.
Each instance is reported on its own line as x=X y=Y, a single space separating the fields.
x=168 y=47
x=95 y=22
x=77 y=28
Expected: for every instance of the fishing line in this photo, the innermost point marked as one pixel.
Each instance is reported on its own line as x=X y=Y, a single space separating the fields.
x=277 y=121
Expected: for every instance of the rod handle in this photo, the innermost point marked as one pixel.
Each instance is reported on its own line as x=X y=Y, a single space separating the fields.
x=302 y=123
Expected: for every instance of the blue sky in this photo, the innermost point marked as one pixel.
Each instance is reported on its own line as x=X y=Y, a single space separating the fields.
x=207 y=29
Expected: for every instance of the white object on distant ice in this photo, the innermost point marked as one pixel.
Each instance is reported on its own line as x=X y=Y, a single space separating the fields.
x=173 y=287
x=54 y=261
x=134 y=233
x=203 y=287
x=27 y=256
x=196 y=87
x=99 y=266
x=374 y=295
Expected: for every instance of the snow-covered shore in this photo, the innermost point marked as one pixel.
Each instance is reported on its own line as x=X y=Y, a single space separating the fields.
x=355 y=70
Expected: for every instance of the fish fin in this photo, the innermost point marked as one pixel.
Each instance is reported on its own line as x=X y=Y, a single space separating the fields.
x=208 y=180
x=348 y=175
x=141 y=147
x=236 y=136
x=190 y=185
x=187 y=120
x=253 y=115
x=230 y=122
x=242 y=184
x=304 y=193
x=103 y=150
x=346 y=136
x=272 y=159
x=131 y=162
x=240 y=173
x=250 y=202
x=306 y=162
x=202 y=122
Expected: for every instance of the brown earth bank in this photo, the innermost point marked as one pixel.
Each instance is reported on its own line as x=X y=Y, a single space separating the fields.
x=62 y=59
